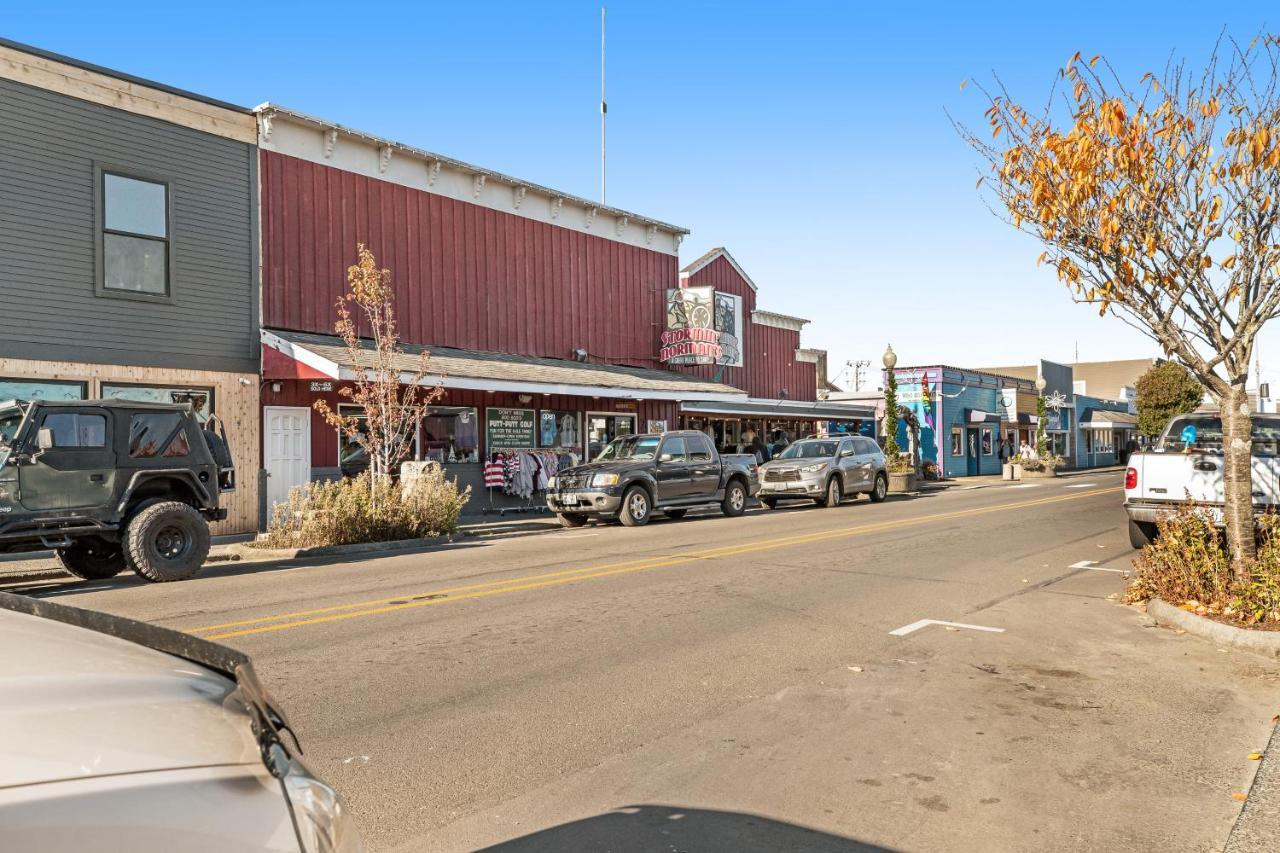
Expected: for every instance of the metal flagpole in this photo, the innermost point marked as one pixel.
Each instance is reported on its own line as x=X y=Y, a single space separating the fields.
x=604 y=109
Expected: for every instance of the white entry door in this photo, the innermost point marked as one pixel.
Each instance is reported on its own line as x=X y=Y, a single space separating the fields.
x=288 y=450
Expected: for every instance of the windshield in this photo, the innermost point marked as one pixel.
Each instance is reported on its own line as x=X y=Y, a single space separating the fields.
x=10 y=420
x=810 y=450
x=636 y=447
x=1204 y=433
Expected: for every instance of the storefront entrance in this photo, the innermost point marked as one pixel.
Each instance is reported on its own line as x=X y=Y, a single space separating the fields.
x=973 y=462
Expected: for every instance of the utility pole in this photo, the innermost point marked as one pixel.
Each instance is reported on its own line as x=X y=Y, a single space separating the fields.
x=604 y=109
x=858 y=374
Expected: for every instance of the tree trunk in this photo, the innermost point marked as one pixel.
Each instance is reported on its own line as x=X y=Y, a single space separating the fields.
x=1237 y=449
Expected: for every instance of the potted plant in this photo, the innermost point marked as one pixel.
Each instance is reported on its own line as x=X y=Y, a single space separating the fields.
x=1041 y=466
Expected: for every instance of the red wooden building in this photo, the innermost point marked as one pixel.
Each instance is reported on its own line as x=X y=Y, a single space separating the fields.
x=544 y=312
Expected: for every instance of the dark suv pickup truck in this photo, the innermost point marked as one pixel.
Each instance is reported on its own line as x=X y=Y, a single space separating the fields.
x=637 y=475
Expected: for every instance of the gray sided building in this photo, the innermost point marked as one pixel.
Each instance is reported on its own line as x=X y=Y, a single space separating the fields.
x=128 y=247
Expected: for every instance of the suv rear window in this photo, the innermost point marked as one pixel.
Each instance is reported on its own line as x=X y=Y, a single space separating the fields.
x=1208 y=435
x=157 y=434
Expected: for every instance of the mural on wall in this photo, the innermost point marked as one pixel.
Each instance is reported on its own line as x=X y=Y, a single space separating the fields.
x=919 y=391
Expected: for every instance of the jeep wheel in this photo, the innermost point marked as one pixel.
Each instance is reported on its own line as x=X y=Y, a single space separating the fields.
x=167 y=541
x=735 y=499
x=635 y=507
x=572 y=519
x=93 y=559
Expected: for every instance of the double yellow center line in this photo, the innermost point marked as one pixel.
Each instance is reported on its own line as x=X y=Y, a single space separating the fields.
x=409 y=601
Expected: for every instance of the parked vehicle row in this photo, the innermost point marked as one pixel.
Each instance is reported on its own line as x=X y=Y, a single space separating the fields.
x=636 y=476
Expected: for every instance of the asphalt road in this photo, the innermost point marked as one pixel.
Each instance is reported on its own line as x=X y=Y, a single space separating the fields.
x=719 y=684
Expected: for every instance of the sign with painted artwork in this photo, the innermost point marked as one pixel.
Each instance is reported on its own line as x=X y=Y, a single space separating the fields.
x=510 y=429
x=690 y=336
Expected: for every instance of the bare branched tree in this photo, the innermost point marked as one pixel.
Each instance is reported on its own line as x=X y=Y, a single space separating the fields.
x=392 y=400
x=1160 y=204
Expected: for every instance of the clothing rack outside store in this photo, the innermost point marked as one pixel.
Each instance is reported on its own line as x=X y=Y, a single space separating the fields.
x=529 y=506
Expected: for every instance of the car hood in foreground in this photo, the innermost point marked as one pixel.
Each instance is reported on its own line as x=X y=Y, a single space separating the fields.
x=75 y=703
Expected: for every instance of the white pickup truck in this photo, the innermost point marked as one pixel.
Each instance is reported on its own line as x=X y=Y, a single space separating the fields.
x=1170 y=473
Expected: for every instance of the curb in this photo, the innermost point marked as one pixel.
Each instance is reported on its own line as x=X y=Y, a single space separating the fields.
x=55 y=574
x=1255 y=828
x=248 y=553
x=1265 y=643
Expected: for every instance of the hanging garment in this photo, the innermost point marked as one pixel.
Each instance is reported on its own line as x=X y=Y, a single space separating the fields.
x=493 y=477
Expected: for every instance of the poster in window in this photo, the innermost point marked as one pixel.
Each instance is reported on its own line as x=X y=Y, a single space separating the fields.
x=986 y=442
x=558 y=428
x=510 y=429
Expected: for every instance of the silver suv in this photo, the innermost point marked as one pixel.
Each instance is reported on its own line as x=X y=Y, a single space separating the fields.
x=825 y=470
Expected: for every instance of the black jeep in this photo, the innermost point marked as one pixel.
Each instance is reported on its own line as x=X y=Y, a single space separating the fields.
x=112 y=483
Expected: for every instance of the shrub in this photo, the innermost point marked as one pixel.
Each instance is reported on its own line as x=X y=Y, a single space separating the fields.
x=1047 y=462
x=1188 y=565
x=344 y=512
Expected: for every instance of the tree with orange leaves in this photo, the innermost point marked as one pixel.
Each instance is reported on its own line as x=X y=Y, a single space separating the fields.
x=392 y=398
x=1160 y=204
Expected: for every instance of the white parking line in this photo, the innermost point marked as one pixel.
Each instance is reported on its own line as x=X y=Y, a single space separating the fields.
x=1082 y=485
x=925 y=623
x=1026 y=486
x=1092 y=565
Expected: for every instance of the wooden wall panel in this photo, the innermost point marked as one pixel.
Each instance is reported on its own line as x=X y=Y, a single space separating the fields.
x=464 y=275
x=235 y=401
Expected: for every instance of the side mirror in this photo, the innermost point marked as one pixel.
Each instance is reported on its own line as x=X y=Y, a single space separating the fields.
x=44 y=439
x=665 y=457
x=847 y=452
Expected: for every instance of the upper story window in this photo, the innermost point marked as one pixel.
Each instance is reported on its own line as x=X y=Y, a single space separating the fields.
x=135 y=235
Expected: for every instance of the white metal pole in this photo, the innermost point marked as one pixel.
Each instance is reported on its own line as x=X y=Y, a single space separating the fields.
x=604 y=109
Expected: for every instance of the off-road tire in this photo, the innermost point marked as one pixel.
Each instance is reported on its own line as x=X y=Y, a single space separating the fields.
x=571 y=519
x=735 y=499
x=93 y=559
x=167 y=541
x=771 y=503
x=879 y=489
x=636 y=507
x=1141 y=534
x=674 y=513
x=832 y=494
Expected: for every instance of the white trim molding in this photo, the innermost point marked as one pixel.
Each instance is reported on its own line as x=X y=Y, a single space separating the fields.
x=292 y=133
x=718 y=252
x=778 y=321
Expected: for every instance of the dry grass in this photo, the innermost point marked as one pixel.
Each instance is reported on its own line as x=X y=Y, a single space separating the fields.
x=1188 y=565
x=344 y=512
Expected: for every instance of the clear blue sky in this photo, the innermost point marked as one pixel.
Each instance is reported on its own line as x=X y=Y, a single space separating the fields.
x=809 y=139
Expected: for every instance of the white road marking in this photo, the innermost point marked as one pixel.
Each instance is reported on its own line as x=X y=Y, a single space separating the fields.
x=1092 y=565
x=1026 y=486
x=1081 y=485
x=925 y=623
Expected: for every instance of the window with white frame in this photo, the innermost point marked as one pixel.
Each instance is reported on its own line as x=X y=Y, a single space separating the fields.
x=957 y=441
x=988 y=448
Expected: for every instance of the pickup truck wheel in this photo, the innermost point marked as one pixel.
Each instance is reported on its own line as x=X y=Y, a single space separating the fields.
x=674 y=513
x=571 y=519
x=635 y=507
x=1141 y=534
x=833 y=494
x=93 y=559
x=735 y=499
x=880 y=489
x=167 y=541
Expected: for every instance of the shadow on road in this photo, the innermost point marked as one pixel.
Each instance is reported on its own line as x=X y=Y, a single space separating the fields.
x=652 y=828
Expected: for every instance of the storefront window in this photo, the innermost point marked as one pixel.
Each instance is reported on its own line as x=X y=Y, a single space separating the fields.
x=987 y=449
x=1059 y=444
x=200 y=399
x=559 y=428
x=957 y=441
x=352 y=458
x=35 y=389
x=451 y=434
x=602 y=429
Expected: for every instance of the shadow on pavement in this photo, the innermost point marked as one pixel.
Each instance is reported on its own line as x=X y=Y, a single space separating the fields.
x=653 y=828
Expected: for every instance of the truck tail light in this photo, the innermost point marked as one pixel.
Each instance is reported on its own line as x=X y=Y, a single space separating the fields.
x=1131 y=478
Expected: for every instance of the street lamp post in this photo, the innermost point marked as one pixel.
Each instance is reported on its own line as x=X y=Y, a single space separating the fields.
x=1041 y=414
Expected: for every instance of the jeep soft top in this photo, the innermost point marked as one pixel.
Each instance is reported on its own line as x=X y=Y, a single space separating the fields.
x=111 y=484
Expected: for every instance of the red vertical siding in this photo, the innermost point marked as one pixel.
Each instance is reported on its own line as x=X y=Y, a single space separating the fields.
x=464 y=275
x=769 y=353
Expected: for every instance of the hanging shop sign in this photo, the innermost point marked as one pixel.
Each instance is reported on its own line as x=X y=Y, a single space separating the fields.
x=690 y=336
x=510 y=429
x=656 y=426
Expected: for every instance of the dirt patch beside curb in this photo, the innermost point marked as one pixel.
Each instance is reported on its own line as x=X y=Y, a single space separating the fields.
x=1266 y=643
